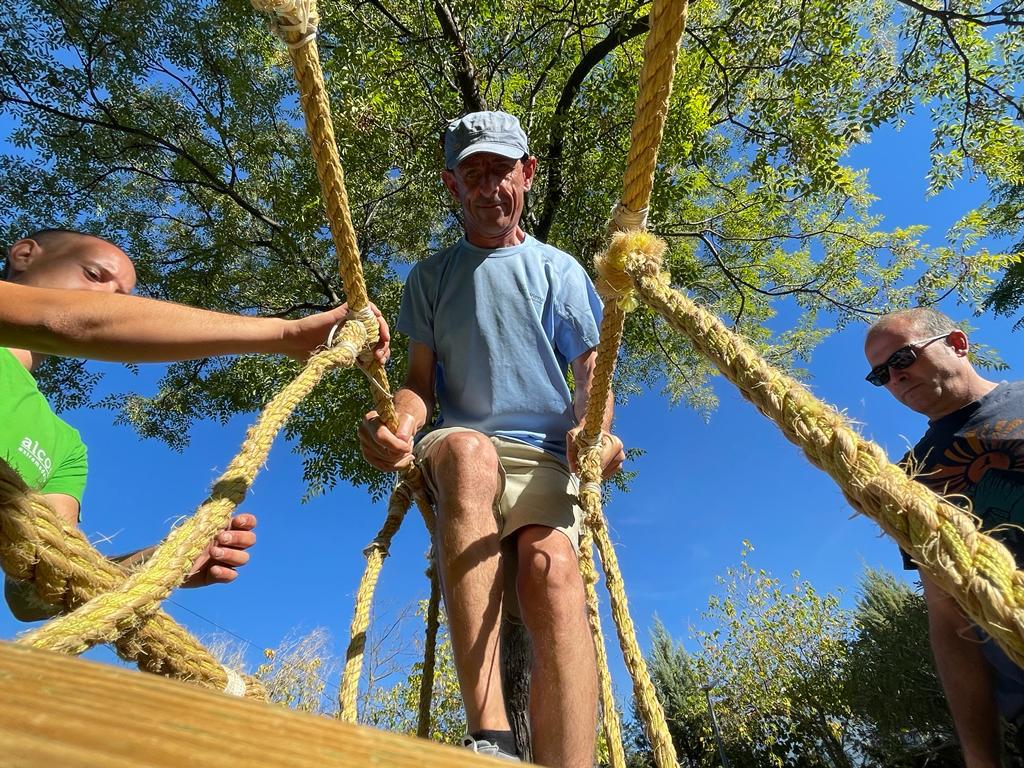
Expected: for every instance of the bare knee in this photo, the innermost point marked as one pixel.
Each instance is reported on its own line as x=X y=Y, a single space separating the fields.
x=548 y=579
x=467 y=453
x=466 y=473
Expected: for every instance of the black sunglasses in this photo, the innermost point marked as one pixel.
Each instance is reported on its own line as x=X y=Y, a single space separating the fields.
x=902 y=358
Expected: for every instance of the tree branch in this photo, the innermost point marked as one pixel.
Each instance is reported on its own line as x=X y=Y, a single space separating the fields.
x=465 y=72
x=622 y=32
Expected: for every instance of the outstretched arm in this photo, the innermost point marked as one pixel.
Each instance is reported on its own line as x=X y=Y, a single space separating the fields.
x=119 y=328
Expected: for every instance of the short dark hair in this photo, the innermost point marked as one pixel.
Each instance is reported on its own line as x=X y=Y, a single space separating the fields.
x=49 y=237
x=924 y=320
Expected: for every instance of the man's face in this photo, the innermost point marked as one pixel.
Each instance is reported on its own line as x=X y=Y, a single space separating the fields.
x=928 y=384
x=491 y=189
x=72 y=262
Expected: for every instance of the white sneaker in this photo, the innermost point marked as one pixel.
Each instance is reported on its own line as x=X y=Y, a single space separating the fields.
x=484 y=747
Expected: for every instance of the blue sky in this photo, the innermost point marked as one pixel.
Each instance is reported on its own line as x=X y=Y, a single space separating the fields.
x=702 y=487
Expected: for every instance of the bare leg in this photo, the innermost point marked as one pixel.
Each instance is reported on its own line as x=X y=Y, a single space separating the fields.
x=563 y=687
x=466 y=473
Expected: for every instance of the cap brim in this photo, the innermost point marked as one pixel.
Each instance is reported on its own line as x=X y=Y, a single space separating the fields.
x=505 y=150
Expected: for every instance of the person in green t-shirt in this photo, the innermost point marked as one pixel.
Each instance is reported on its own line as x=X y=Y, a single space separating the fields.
x=67 y=293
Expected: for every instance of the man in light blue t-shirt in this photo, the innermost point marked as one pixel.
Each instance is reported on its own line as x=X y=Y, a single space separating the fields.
x=494 y=324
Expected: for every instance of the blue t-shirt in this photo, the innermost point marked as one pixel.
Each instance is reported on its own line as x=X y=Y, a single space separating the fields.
x=504 y=324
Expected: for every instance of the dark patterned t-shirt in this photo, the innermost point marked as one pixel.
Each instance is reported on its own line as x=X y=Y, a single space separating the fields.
x=976 y=455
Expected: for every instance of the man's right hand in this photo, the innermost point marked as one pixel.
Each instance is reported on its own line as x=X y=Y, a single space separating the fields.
x=386 y=450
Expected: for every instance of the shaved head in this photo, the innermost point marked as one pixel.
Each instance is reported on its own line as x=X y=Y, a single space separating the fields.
x=63 y=258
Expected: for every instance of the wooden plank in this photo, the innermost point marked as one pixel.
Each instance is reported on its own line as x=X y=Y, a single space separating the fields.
x=62 y=711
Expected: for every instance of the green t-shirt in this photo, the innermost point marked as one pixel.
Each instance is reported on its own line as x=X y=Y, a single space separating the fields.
x=46 y=451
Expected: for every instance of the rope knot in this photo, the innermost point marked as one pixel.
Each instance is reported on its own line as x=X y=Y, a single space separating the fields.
x=629 y=247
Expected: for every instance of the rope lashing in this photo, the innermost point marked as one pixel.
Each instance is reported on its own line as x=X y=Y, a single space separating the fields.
x=38 y=547
x=107 y=616
x=977 y=570
x=623 y=218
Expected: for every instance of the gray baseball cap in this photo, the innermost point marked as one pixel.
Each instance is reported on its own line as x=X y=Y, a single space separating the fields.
x=496 y=132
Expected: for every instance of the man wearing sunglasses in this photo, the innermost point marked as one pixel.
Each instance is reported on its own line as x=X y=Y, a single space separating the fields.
x=972 y=452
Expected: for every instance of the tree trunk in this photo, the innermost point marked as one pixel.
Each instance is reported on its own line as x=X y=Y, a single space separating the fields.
x=516 y=660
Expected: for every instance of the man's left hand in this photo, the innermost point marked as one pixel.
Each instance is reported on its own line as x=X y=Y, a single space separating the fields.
x=612 y=452
x=219 y=562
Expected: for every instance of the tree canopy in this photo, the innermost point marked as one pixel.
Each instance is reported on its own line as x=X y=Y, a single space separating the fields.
x=797 y=680
x=173 y=128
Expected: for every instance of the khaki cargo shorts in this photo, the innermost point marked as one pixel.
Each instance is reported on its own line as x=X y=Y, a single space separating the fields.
x=534 y=488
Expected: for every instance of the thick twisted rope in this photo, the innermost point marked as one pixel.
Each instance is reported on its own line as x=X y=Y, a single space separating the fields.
x=667 y=22
x=376 y=551
x=295 y=22
x=668 y=19
x=38 y=547
x=107 y=616
x=974 y=568
x=609 y=712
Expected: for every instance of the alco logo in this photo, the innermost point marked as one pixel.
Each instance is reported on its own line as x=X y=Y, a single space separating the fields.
x=37 y=456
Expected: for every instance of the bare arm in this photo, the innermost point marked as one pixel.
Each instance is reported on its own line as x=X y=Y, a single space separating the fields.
x=120 y=328
x=414 y=402
x=612 y=450
x=966 y=678
x=217 y=564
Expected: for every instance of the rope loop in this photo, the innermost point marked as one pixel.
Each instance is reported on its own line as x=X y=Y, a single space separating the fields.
x=614 y=284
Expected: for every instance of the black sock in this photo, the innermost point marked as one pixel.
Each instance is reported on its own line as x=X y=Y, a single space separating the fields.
x=504 y=740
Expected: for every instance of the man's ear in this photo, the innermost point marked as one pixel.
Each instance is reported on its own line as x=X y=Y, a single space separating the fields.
x=21 y=255
x=529 y=171
x=452 y=184
x=958 y=341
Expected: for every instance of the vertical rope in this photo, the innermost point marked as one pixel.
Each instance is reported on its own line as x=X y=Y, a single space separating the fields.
x=295 y=22
x=609 y=712
x=667 y=21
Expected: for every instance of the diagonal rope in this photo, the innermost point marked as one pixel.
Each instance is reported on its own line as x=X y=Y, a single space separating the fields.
x=65 y=570
x=609 y=712
x=107 y=616
x=977 y=570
